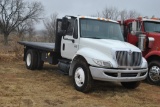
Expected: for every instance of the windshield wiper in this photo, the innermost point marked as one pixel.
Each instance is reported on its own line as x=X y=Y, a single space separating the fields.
x=157 y=31
x=93 y=37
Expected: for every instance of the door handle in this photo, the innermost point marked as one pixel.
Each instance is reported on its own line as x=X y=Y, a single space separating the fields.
x=63 y=47
x=73 y=41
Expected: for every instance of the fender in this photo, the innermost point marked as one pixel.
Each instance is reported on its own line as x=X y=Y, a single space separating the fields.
x=90 y=54
x=152 y=53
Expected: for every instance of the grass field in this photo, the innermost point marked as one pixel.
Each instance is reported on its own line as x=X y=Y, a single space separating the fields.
x=20 y=87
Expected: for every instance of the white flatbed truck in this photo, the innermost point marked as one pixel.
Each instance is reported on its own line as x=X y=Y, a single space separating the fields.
x=88 y=49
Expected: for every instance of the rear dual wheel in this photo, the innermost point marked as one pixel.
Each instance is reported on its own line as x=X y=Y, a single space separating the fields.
x=33 y=60
x=39 y=62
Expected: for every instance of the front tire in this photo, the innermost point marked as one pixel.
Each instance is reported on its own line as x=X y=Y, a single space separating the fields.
x=153 y=76
x=131 y=85
x=31 y=59
x=82 y=78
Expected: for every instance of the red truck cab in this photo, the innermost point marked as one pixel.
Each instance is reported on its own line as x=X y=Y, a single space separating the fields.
x=145 y=34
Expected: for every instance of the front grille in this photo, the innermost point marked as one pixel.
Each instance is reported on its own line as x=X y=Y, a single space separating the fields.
x=136 y=59
x=122 y=74
x=125 y=58
x=129 y=74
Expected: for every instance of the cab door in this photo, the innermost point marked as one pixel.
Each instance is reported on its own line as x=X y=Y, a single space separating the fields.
x=70 y=42
x=133 y=39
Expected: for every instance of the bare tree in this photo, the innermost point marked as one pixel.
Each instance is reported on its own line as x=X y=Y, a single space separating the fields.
x=50 y=25
x=115 y=14
x=129 y=14
x=31 y=31
x=21 y=29
x=25 y=28
x=123 y=14
x=15 y=12
x=44 y=37
x=133 y=14
x=111 y=13
x=96 y=15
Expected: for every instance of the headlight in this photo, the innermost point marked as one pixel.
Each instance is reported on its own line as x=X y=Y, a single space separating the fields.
x=103 y=63
x=145 y=65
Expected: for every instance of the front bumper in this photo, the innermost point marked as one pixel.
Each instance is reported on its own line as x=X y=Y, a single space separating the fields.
x=119 y=75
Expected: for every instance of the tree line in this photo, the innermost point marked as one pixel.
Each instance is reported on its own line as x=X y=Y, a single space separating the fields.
x=20 y=16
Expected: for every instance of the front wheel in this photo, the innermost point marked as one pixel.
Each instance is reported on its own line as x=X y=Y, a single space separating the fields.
x=131 y=85
x=82 y=78
x=154 y=73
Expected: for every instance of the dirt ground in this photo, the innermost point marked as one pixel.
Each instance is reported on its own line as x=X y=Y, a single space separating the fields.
x=20 y=87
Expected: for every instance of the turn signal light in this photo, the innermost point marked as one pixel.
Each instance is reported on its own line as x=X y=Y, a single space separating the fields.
x=82 y=17
x=154 y=18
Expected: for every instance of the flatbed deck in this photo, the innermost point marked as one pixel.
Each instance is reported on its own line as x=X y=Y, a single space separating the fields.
x=39 y=45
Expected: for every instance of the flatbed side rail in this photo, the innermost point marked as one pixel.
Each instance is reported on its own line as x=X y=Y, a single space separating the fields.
x=50 y=47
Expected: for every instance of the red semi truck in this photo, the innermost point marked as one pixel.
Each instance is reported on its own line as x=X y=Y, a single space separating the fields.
x=145 y=34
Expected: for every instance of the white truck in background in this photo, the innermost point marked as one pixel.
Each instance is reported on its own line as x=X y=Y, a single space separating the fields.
x=88 y=49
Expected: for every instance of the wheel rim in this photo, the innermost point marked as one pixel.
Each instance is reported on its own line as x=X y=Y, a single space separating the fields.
x=28 y=59
x=154 y=73
x=79 y=77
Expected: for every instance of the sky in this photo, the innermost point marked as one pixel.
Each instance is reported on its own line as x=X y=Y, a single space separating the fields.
x=91 y=7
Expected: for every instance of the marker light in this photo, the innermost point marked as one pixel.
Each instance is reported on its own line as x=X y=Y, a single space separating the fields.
x=98 y=19
x=154 y=18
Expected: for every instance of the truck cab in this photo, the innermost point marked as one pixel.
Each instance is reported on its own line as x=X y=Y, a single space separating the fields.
x=89 y=48
x=147 y=39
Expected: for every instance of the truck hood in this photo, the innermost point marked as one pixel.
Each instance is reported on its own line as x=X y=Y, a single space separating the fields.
x=103 y=49
x=104 y=44
x=150 y=34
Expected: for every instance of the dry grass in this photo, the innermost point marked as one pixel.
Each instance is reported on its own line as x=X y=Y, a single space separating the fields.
x=20 y=87
x=13 y=51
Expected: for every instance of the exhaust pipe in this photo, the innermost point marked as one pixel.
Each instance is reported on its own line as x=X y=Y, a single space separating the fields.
x=151 y=42
x=142 y=42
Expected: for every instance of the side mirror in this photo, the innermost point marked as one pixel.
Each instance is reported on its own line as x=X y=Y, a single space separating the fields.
x=134 y=28
x=65 y=23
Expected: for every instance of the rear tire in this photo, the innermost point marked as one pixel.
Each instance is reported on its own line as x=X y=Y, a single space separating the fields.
x=31 y=59
x=131 y=85
x=40 y=62
x=153 y=76
x=82 y=78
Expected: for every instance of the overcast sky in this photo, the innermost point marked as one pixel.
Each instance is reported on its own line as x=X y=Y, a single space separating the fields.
x=91 y=7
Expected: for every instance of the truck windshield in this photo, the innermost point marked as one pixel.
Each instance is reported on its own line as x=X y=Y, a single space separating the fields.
x=150 y=26
x=98 y=29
